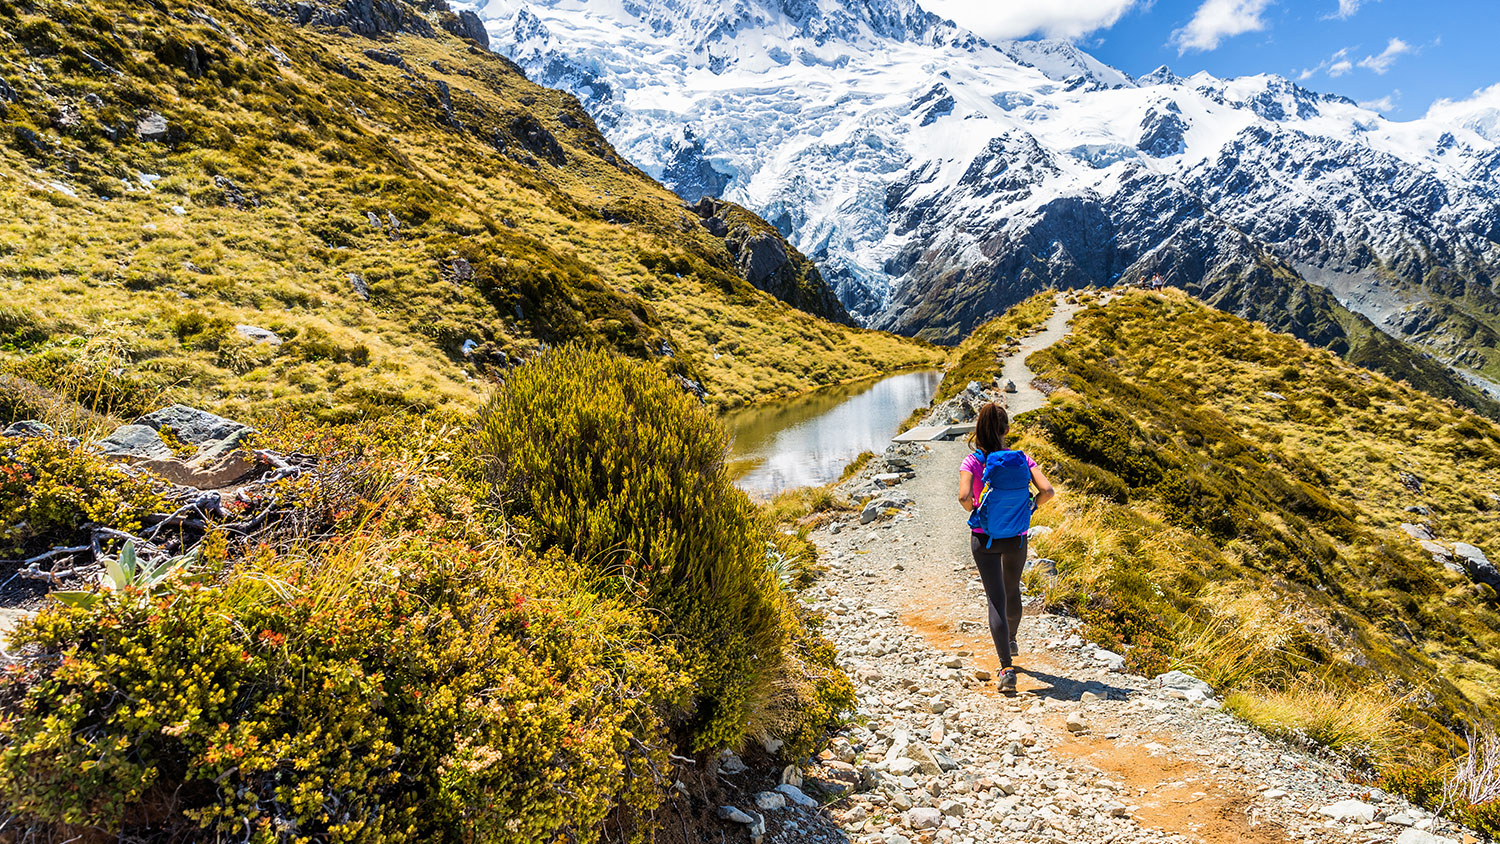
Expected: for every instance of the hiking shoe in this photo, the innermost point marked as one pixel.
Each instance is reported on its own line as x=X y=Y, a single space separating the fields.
x=1007 y=681
x=1015 y=649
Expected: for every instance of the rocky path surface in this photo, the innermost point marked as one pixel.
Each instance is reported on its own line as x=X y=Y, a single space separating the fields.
x=1083 y=753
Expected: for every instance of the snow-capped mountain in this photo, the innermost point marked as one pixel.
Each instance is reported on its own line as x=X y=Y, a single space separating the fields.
x=938 y=178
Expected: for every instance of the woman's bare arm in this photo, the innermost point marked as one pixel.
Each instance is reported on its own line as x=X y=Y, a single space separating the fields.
x=1044 y=491
x=966 y=490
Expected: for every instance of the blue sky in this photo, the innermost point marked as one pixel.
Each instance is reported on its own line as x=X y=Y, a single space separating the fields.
x=1397 y=56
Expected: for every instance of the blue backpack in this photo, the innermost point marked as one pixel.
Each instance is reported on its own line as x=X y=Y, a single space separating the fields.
x=1005 y=503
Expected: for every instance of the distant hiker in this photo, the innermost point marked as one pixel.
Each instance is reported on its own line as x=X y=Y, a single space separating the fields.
x=994 y=485
x=1157 y=283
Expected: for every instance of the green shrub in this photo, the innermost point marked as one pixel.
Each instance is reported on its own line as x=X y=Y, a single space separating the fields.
x=50 y=490
x=608 y=460
x=411 y=688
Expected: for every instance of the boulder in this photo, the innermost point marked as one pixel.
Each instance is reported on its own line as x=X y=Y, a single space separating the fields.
x=258 y=334
x=1438 y=552
x=924 y=817
x=796 y=797
x=152 y=127
x=731 y=763
x=733 y=815
x=1418 y=532
x=1417 y=836
x=213 y=435
x=138 y=442
x=768 y=801
x=1351 y=811
x=1189 y=685
x=28 y=428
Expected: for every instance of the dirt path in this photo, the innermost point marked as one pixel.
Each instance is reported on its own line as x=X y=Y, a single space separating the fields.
x=945 y=758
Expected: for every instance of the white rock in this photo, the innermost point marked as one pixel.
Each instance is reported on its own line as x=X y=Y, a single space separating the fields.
x=1274 y=794
x=1404 y=818
x=1417 y=836
x=1189 y=685
x=924 y=817
x=1350 y=810
x=731 y=763
x=769 y=800
x=258 y=334
x=952 y=808
x=1076 y=723
x=730 y=813
x=794 y=795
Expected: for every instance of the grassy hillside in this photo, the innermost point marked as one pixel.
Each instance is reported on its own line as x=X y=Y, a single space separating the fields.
x=508 y=632
x=1234 y=501
x=402 y=208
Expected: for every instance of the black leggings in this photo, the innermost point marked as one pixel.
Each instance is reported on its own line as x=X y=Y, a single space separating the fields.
x=1000 y=567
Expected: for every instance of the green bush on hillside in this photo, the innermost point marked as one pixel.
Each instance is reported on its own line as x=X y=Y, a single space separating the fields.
x=374 y=687
x=607 y=459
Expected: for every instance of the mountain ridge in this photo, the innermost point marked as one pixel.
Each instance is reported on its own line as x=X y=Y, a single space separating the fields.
x=882 y=165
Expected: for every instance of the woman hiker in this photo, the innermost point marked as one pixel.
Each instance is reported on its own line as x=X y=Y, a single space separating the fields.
x=994 y=485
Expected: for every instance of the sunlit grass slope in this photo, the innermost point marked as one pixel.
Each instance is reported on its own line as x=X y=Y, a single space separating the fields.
x=1233 y=502
x=404 y=209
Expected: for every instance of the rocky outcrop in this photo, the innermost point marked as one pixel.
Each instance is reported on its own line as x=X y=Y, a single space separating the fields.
x=765 y=259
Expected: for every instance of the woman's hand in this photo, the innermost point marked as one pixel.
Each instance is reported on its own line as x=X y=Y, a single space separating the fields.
x=1044 y=491
x=966 y=490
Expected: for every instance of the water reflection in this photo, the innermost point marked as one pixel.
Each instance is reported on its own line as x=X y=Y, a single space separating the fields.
x=807 y=441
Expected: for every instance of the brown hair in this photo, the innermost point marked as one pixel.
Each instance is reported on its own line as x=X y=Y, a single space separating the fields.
x=990 y=428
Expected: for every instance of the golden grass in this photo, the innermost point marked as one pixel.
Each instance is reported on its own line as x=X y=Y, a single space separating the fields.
x=1358 y=722
x=578 y=247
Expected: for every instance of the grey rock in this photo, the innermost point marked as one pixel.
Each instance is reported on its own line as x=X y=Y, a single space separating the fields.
x=258 y=334
x=795 y=796
x=733 y=815
x=361 y=288
x=1477 y=564
x=28 y=428
x=1438 y=552
x=214 y=435
x=731 y=763
x=1042 y=564
x=767 y=801
x=1417 y=532
x=1417 y=836
x=152 y=127
x=1356 y=811
x=1010 y=387
x=385 y=57
x=135 y=441
x=1194 y=688
x=466 y=24
x=924 y=817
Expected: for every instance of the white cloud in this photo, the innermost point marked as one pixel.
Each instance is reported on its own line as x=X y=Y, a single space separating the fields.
x=1347 y=9
x=1216 y=20
x=1335 y=66
x=1382 y=63
x=1052 y=18
x=1480 y=112
x=1384 y=104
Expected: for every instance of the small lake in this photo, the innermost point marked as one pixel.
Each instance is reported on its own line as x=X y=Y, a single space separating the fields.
x=808 y=440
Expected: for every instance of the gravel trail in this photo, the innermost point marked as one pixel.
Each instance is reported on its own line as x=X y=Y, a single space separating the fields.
x=1083 y=753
